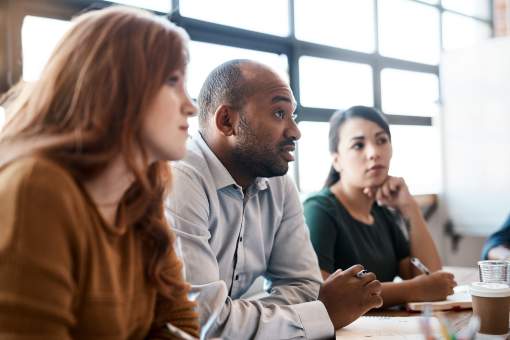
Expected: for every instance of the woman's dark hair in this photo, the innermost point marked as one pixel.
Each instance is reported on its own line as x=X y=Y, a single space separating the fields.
x=338 y=119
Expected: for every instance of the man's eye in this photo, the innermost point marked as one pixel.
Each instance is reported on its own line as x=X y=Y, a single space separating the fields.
x=280 y=114
x=357 y=146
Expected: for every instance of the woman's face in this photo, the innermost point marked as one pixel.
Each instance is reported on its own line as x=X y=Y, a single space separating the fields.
x=165 y=126
x=363 y=153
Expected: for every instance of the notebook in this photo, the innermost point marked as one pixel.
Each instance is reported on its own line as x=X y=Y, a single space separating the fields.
x=460 y=299
x=386 y=327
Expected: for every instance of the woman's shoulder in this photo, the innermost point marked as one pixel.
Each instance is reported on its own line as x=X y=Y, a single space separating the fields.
x=37 y=170
x=39 y=197
x=31 y=177
x=323 y=196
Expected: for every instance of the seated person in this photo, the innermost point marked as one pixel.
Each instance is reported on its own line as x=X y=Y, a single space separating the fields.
x=497 y=246
x=349 y=223
x=85 y=249
x=238 y=217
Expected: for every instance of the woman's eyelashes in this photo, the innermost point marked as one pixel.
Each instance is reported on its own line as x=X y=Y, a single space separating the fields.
x=382 y=140
x=358 y=146
x=172 y=80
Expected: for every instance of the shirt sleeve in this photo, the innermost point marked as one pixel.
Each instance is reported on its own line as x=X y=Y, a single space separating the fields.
x=284 y=314
x=499 y=238
x=323 y=231
x=36 y=257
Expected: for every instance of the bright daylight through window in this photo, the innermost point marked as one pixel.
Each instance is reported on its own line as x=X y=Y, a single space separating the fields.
x=325 y=48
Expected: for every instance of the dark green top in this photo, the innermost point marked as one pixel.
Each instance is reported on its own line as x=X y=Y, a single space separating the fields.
x=340 y=241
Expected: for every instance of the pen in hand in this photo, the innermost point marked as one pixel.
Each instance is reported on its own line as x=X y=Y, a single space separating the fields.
x=420 y=266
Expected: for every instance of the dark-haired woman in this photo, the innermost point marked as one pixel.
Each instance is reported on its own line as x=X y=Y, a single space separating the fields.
x=350 y=222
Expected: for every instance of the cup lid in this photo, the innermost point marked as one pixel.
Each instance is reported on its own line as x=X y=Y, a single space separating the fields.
x=489 y=289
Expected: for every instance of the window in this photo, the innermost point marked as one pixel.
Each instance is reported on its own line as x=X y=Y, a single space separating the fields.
x=475 y=8
x=348 y=24
x=409 y=93
x=334 y=84
x=422 y=174
x=417 y=157
x=335 y=54
x=39 y=36
x=193 y=125
x=314 y=158
x=409 y=30
x=460 y=31
x=2 y=117
x=267 y=16
x=155 y=5
x=205 y=57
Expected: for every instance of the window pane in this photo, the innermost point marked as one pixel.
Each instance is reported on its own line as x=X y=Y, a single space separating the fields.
x=267 y=16
x=459 y=31
x=417 y=157
x=476 y=8
x=434 y=2
x=313 y=156
x=409 y=30
x=193 y=125
x=155 y=5
x=334 y=84
x=348 y=24
x=2 y=117
x=205 y=57
x=39 y=36
x=409 y=93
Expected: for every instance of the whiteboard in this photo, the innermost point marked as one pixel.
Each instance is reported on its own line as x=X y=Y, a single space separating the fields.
x=475 y=84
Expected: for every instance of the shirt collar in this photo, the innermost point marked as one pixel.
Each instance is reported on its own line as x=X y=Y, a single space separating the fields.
x=221 y=177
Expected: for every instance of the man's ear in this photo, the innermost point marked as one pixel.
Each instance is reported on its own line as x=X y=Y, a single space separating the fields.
x=335 y=162
x=226 y=119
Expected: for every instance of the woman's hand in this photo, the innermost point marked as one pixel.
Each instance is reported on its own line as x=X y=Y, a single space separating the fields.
x=395 y=194
x=434 y=287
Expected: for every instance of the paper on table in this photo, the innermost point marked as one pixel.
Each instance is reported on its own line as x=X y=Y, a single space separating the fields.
x=386 y=327
x=461 y=299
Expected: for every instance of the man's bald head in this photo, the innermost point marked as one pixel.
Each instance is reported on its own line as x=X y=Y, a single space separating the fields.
x=231 y=83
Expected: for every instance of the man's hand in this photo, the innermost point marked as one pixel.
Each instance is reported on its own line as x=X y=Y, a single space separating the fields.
x=347 y=296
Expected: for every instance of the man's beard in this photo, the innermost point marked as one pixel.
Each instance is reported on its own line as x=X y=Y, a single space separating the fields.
x=256 y=157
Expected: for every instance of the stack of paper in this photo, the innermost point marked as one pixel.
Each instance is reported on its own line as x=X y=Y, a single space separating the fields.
x=386 y=327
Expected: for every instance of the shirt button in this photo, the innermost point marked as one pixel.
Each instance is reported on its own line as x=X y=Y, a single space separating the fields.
x=237 y=277
x=241 y=239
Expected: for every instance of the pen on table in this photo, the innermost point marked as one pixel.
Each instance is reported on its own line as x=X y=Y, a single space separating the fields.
x=421 y=267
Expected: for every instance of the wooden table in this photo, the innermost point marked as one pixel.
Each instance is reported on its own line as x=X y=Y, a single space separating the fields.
x=458 y=320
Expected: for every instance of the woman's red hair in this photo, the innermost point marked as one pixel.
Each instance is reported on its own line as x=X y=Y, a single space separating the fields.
x=88 y=106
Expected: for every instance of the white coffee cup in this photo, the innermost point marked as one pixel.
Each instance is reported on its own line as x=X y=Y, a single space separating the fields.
x=491 y=303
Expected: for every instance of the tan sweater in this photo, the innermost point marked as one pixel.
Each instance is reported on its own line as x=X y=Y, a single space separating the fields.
x=65 y=274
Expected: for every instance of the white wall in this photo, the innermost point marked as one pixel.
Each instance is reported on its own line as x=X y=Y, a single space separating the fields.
x=476 y=136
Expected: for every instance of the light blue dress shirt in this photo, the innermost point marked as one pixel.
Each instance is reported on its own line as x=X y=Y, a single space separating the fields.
x=229 y=238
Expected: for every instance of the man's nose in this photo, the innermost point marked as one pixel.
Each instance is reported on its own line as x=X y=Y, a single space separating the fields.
x=292 y=131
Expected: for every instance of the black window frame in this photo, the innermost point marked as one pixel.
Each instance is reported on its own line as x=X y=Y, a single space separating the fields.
x=12 y=13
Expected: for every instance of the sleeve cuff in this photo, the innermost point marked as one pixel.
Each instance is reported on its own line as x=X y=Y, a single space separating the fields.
x=315 y=320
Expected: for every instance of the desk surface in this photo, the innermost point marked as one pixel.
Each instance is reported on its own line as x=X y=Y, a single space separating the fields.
x=457 y=319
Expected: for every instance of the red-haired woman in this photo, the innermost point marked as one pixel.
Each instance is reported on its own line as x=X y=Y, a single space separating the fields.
x=85 y=251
